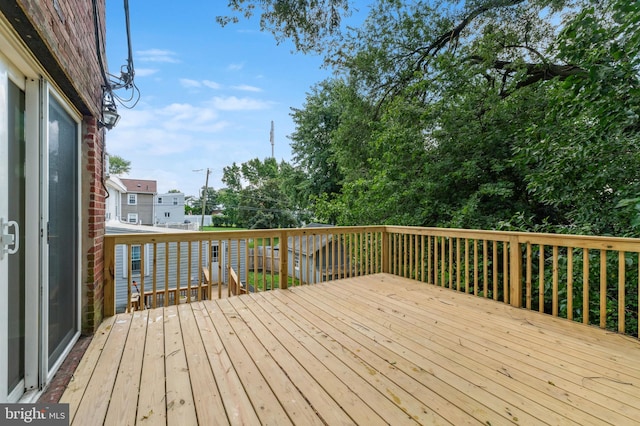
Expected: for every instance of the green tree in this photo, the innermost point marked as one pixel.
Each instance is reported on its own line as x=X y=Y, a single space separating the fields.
x=211 y=202
x=190 y=207
x=254 y=196
x=307 y=24
x=118 y=165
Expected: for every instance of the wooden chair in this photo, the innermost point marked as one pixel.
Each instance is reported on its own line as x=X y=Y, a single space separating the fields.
x=135 y=302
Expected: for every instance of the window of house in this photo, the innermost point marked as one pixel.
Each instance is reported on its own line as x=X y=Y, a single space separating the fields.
x=159 y=200
x=135 y=259
x=175 y=201
x=133 y=199
x=167 y=214
x=215 y=253
x=132 y=218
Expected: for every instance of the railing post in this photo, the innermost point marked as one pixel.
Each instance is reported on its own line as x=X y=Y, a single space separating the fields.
x=515 y=268
x=109 y=288
x=284 y=259
x=385 y=251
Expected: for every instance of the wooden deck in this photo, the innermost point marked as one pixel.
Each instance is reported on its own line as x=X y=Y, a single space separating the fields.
x=370 y=350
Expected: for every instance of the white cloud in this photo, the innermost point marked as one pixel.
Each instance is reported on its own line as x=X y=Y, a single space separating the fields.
x=194 y=84
x=210 y=84
x=157 y=55
x=232 y=103
x=247 y=88
x=190 y=84
x=235 y=67
x=145 y=72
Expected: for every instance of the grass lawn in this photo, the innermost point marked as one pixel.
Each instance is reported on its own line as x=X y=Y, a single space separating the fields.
x=255 y=279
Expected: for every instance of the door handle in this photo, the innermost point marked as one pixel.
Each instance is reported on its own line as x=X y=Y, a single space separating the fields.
x=8 y=239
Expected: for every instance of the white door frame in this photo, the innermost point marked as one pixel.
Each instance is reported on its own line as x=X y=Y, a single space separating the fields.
x=8 y=73
x=4 y=213
x=49 y=92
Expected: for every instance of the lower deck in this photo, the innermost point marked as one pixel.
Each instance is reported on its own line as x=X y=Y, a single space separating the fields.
x=371 y=350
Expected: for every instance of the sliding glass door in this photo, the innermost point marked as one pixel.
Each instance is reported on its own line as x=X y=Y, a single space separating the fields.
x=39 y=232
x=62 y=232
x=14 y=252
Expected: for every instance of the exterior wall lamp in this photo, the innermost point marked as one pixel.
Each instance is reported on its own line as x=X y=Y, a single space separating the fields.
x=110 y=116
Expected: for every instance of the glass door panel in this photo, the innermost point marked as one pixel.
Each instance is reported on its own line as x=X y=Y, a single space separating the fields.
x=62 y=230
x=16 y=261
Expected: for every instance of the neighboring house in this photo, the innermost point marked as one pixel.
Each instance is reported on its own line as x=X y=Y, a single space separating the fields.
x=217 y=252
x=169 y=208
x=138 y=204
x=52 y=199
x=116 y=192
x=314 y=258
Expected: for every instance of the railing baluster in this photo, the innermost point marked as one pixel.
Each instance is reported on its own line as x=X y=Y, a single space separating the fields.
x=436 y=278
x=585 y=286
x=129 y=257
x=411 y=266
x=554 y=271
x=154 y=277
x=621 y=291
x=541 y=280
x=485 y=268
x=422 y=253
x=313 y=266
x=176 y=299
x=165 y=302
x=529 y=268
x=570 y=283
x=458 y=265
x=603 y=288
x=141 y=293
x=466 y=266
x=189 y=254
x=505 y=272
x=495 y=270
x=197 y=271
x=475 y=267
x=450 y=262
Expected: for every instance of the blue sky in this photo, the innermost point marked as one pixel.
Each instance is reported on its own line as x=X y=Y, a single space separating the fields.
x=208 y=94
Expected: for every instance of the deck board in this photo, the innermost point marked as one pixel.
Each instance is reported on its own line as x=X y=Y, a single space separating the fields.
x=377 y=349
x=152 y=409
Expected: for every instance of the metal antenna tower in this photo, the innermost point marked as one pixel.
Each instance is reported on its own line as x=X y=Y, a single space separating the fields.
x=272 y=139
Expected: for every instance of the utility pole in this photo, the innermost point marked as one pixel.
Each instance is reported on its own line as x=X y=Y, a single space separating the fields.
x=272 y=139
x=204 y=197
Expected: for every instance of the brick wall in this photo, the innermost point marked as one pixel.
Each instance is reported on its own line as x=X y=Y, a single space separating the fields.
x=94 y=205
x=68 y=31
x=61 y=35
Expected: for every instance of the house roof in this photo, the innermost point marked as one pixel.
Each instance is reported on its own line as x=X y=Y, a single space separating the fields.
x=140 y=186
x=115 y=183
x=316 y=242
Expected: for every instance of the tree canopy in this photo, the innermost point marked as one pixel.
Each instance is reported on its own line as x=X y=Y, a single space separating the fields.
x=118 y=165
x=512 y=114
x=307 y=23
x=255 y=196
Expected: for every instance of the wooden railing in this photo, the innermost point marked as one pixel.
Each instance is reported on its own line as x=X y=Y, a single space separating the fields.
x=593 y=280
x=190 y=266
x=582 y=278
